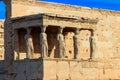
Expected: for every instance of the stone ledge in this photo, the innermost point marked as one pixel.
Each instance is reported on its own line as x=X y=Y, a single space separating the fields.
x=79 y=60
x=68 y=69
x=84 y=63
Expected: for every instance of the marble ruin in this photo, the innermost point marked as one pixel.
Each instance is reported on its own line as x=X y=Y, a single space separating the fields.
x=61 y=43
x=76 y=43
x=43 y=43
x=51 y=41
x=29 y=44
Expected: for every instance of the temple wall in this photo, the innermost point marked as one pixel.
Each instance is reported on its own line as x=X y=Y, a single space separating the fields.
x=31 y=7
x=72 y=70
x=1 y=40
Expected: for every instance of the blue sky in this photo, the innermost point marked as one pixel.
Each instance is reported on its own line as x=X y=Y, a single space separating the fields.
x=2 y=10
x=103 y=4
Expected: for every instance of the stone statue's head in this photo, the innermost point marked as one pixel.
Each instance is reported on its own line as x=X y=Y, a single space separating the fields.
x=60 y=30
x=28 y=30
x=43 y=29
x=76 y=31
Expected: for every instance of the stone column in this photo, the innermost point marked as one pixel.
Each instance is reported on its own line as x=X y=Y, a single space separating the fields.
x=29 y=44
x=76 y=44
x=16 y=45
x=92 y=46
x=43 y=43
x=61 y=43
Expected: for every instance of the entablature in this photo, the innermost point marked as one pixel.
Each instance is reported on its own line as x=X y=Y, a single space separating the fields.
x=53 y=20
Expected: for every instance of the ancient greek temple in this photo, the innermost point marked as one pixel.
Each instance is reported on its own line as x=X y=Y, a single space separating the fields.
x=51 y=41
x=44 y=36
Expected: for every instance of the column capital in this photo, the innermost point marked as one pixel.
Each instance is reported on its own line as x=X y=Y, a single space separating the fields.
x=28 y=30
x=76 y=30
x=44 y=26
x=60 y=30
x=61 y=26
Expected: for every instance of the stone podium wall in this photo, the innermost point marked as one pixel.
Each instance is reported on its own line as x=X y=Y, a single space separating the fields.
x=63 y=69
x=1 y=70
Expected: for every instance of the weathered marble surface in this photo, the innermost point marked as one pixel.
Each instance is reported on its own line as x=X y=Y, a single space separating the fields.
x=107 y=30
x=56 y=69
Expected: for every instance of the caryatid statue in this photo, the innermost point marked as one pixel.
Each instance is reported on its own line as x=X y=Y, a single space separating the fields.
x=43 y=43
x=93 y=46
x=76 y=44
x=29 y=44
x=61 y=43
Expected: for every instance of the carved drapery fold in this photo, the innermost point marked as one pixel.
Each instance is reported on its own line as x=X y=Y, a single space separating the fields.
x=29 y=44
x=43 y=43
x=61 y=43
x=92 y=45
x=76 y=43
